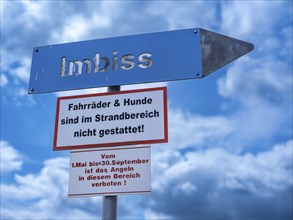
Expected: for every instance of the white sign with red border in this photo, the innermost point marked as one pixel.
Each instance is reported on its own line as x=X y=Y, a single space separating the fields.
x=111 y=119
x=110 y=171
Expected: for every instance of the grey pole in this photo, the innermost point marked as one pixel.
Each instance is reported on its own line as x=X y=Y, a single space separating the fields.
x=109 y=207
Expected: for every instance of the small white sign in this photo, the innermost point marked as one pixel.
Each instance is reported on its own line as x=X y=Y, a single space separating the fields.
x=111 y=119
x=110 y=171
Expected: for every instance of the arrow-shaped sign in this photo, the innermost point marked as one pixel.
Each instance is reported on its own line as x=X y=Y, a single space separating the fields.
x=154 y=57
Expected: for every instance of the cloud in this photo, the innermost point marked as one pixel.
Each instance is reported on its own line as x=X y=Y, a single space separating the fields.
x=217 y=184
x=254 y=80
x=22 y=70
x=204 y=178
x=258 y=87
x=149 y=214
x=3 y=80
x=251 y=126
x=184 y=15
x=37 y=23
x=256 y=18
x=78 y=27
x=259 y=92
x=35 y=186
x=45 y=193
x=266 y=73
x=51 y=22
x=199 y=131
x=270 y=32
x=11 y=159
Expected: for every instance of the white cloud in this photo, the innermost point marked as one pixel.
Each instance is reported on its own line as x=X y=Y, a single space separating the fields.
x=45 y=193
x=256 y=120
x=186 y=188
x=261 y=88
x=186 y=14
x=23 y=70
x=149 y=214
x=259 y=84
x=258 y=23
x=257 y=80
x=19 y=69
x=50 y=22
x=31 y=11
x=78 y=27
x=3 y=80
x=186 y=129
x=254 y=17
x=11 y=159
x=54 y=173
x=206 y=177
x=214 y=179
x=26 y=24
x=255 y=174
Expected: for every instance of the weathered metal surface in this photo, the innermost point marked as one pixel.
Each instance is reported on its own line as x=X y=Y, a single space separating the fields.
x=218 y=50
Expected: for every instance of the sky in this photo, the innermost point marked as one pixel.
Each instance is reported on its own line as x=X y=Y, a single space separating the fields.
x=229 y=154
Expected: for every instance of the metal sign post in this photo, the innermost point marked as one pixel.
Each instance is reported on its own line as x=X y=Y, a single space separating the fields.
x=109 y=206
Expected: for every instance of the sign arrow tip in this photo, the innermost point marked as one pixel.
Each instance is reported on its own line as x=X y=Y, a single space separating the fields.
x=218 y=50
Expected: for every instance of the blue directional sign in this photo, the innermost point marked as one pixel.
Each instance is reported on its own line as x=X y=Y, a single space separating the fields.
x=154 y=57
